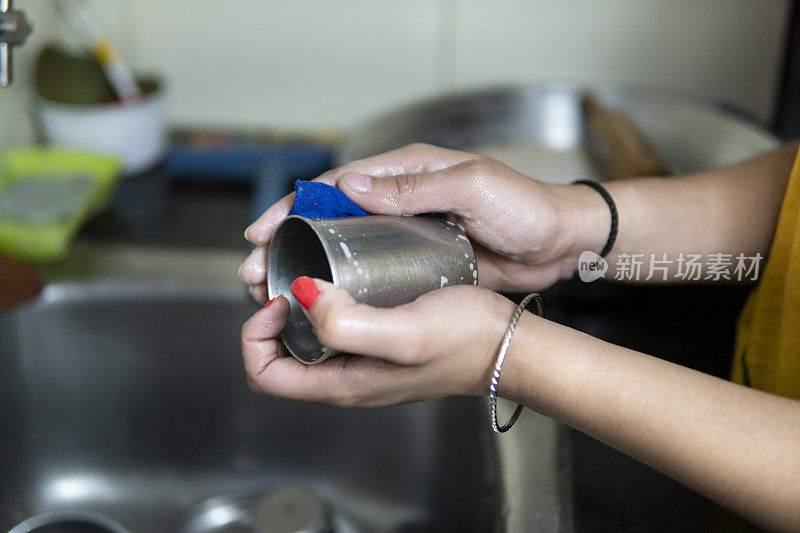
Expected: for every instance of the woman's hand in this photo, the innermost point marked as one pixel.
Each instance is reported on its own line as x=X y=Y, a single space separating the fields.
x=441 y=344
x=527 y=234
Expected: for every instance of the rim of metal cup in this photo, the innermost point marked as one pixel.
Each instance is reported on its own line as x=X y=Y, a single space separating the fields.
x=332 y=268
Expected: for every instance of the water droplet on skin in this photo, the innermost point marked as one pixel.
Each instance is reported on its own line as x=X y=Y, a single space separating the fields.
x=444 y=281
x=346 y=250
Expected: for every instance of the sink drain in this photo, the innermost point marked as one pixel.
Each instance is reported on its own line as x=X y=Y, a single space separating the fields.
x=68 y=522
x=290 y=510
x=281 y=510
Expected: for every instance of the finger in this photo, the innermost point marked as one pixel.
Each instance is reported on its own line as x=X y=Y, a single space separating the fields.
x=454 y=189
x=340 y=323
x=259 y=343
x=260 y=231
x=254 y=269
x=259 y=293
x=411 y=159
x=350 y=381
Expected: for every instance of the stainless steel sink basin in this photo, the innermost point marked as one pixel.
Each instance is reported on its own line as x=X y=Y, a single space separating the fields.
x=122 y=394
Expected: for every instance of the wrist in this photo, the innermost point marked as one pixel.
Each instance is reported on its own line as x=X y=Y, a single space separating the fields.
x=584 y=217
x=516 y=375
x=494 y=328
x=517 y=378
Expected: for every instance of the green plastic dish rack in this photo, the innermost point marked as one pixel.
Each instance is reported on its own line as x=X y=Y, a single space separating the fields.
x=23 y=175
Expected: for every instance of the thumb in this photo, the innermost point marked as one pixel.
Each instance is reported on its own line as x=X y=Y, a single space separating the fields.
x=340 y=323
x=260 y=333
x=449 y=190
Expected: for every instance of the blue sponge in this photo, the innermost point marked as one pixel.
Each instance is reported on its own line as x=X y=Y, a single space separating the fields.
x=317 y=199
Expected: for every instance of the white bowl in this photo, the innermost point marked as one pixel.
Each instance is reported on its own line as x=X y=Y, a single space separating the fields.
x=135 y=132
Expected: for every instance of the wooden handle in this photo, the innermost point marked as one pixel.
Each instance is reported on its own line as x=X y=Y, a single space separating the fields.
x=616 y=145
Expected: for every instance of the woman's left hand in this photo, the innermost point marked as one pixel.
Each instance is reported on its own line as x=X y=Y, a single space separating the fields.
x=441 y=344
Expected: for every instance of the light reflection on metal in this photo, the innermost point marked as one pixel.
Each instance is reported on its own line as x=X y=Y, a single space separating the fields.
x=77 y=488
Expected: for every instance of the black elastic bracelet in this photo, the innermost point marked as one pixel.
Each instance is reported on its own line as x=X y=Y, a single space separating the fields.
x=612 y=233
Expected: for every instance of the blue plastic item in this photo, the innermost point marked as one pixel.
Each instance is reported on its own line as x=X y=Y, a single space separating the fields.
x=270 y=167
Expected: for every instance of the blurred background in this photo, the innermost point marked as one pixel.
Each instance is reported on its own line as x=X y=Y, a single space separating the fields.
x=317 y=65
x=140 y=137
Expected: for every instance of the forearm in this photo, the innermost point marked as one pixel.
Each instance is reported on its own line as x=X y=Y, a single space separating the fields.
x=730 y=210
x=736 y=445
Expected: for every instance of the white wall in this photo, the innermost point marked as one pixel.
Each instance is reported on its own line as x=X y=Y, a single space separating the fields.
x=15 y=112
x=322 y=64
x=728 y=50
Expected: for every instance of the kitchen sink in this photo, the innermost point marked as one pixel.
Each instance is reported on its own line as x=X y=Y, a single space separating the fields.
x=122 y=394
x=123 y=400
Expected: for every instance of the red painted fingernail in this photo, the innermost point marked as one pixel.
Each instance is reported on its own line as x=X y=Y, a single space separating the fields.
x=305 y=290
x=269 y=303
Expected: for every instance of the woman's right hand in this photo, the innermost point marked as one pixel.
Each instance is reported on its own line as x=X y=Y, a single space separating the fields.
x=527 y=234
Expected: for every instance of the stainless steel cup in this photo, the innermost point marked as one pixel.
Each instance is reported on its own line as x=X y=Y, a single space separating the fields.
x=380 y=260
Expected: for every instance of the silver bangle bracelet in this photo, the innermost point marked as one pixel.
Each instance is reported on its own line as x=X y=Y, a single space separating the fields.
x=501 y=356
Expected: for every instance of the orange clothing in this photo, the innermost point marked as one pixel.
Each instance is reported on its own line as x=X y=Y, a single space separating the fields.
x=767 y=352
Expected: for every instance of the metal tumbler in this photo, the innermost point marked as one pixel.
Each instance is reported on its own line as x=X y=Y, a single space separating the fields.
x=380 y=260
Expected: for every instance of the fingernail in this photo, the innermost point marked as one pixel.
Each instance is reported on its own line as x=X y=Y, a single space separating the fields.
x=305 y=290
x=245 y=232
x=359 y=182
x=269 y=303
